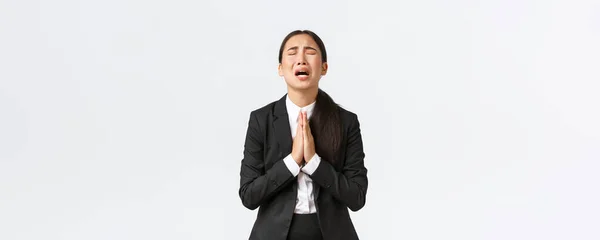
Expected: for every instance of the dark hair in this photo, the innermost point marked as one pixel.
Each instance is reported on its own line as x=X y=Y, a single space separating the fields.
x=325 y=122
x=309 y=33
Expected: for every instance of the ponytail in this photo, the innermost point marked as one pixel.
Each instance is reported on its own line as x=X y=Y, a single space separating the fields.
x=326 y=127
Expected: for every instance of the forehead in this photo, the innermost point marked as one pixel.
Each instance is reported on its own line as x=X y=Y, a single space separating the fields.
x=301 y=40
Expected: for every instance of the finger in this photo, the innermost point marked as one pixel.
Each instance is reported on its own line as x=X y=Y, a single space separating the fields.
x=307 y=123
x=309 y=133
x=304 y=118
x=304 y=123
x=301 y=119
x=299 y=130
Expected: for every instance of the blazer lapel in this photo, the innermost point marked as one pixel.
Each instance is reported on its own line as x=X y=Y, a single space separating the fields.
x=281 y=126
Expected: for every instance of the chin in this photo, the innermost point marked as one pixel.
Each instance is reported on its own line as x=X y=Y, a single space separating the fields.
x=298 y=84
x=303 y=85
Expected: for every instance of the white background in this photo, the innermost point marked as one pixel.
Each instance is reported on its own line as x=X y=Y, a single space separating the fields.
x=125 y=119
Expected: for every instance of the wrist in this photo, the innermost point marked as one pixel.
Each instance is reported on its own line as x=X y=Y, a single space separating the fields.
x=309 y=157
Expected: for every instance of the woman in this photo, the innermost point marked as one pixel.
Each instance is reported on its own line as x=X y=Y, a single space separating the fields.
x=303 y=154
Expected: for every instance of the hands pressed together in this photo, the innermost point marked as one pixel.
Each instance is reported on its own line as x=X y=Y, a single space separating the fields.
x=303 y=148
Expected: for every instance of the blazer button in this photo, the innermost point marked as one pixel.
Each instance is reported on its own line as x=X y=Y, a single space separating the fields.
x=274 y=183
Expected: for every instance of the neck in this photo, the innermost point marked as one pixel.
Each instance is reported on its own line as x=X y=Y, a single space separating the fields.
x=303 y=98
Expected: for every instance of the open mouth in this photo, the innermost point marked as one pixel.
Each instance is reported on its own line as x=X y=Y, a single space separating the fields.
x=301 y=73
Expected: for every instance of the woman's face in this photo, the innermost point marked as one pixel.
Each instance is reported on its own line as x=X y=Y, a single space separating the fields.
x=301 y=65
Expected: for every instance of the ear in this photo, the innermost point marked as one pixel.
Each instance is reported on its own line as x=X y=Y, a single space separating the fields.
x=279 y=70
x=324 y=68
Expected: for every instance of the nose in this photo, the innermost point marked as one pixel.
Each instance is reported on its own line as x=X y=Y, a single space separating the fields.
x=301 y=60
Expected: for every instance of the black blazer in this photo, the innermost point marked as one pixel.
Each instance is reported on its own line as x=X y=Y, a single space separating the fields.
x=266 y=182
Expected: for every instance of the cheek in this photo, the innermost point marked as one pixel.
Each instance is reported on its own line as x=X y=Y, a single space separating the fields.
x=284 y=68
x=287 y=64
x=316 y=65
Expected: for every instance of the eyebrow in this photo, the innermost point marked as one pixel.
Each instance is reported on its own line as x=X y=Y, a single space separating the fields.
x=296 y=48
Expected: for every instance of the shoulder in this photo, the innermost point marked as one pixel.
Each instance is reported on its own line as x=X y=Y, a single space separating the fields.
x=349 y=119
x=347 y=115
x=264 y=111
x=272 y=108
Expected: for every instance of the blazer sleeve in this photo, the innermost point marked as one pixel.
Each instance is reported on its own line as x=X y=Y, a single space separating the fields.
x=257 y=184
x=350 y=185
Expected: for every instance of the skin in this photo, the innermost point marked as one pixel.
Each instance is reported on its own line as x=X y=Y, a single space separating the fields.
x=301 y=53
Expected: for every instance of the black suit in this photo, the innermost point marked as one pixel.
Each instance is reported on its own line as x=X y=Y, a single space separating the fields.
x=266 y=182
